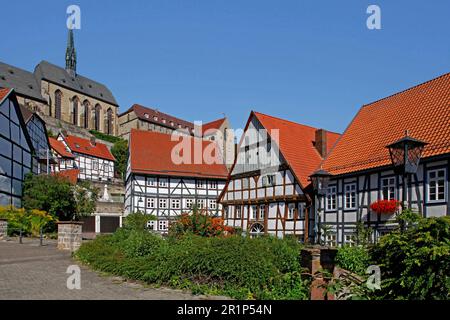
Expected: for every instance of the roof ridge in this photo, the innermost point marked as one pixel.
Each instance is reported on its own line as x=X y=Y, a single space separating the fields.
x=297 y=123
x=404 y=90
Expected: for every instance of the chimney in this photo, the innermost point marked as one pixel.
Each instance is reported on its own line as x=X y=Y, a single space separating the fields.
x=92 y=140
x=321 y=142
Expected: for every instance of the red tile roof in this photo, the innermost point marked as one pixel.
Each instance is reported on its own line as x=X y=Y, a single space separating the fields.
x=216 y=124
x=296 y=143
x=70 y=174
x=84 y=146
x=423 y=110
x=4 y=92
x=150 y=153
x=59 y=147
x=148 y=114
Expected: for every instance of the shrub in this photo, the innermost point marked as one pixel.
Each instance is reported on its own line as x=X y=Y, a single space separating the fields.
x=355 y=259
x=137 y=221
x=27 y=221
x=199 y=223
x=120 y=152
x=243 y=268
x=415 y=264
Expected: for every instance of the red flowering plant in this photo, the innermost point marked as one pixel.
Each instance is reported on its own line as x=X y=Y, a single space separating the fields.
x=201 y=223
x=385 y=206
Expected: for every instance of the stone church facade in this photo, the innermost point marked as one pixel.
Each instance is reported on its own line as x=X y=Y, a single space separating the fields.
x=63 y=94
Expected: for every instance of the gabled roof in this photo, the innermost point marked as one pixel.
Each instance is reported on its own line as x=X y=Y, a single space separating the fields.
x=296 y=144
x=53 y=73
x=423 y=110
x=148 y=115
x=150 y=153
x=3 y=93
x=84 y=146
x=26 y=114
x=24 y=82
x=216 y=124
x=59 y=147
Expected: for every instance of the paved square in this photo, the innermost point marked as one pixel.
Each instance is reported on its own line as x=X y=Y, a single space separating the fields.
x=28 y=271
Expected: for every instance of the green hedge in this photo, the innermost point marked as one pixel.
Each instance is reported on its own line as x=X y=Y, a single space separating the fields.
x=355 y=259
x=243 y=268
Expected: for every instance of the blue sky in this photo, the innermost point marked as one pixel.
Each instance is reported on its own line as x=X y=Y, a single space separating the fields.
x=314 y=62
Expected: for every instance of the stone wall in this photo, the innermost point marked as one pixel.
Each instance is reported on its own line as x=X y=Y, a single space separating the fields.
x=69 y=235
x=3 y=228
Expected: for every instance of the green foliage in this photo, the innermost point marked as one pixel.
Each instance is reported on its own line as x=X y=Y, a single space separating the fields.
x=415 y=263
x=57 y=196
x=137 y=221
x=120 y=152
x=355 y=259
x=243 y=268
x=363 y=234
x=104 y=137
x=27 y=221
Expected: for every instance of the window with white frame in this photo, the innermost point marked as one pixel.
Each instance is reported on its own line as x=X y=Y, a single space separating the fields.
x=163 y=225
x=330 y=240
x=94 y=164
x=201 y=203
x=238 y=212
x=175 y=203
x=189 y=203
x=268 y=180
x=301 y=211
x=350 y=196
x=245 y=183
x=436 y=185
x=151 y=224
x=349 y=239
x=330 y=200
x=291 y=211
x=225 y=212
x=163 y=203
x=213 y=184
x=254 y=212
x=388 y=188
x=262 y=211
x=199 y=183
x=151 y=182
x=151 y=203
x=213 y=204
x=162 y=182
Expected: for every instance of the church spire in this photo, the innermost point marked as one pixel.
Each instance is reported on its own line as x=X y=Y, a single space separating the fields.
x=71 y=55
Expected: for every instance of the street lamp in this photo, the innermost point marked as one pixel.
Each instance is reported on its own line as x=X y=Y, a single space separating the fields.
x=320 y=180
x=405 y=156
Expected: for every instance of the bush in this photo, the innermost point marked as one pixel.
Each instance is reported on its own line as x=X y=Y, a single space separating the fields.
x=27 y=221
x=243 y=268
x=137 y=221
x=415 y=264
x=355 y=259
x=104 y=136
x=120 y=152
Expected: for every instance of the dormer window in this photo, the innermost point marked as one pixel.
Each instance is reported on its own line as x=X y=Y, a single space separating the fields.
x=146 y=115
x=172 y=124
x=30 y=86
x=10 y=71
x=77 y=145
x=90 y=85
x=155 y=118
x=163 y=120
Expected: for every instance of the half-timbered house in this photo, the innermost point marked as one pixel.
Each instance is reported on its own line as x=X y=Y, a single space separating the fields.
x=268 y=186
x=65 y=160
x=361 y=166
x=157 y=184
x=92 y=158
x=16 y=149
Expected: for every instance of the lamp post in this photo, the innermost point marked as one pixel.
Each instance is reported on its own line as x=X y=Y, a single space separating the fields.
x=320 y=180
x=405 y=156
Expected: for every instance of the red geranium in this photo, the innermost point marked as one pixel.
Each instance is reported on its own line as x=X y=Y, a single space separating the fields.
x=385 y=206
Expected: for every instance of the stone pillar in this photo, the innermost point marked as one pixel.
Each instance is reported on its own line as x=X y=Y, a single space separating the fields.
x=69 y=235
x=3 y=228
x=317 y=260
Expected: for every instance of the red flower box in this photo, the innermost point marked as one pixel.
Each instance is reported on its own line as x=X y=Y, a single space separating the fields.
x=385 y=206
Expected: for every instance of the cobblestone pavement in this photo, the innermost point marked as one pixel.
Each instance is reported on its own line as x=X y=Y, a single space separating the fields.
x=29 y=271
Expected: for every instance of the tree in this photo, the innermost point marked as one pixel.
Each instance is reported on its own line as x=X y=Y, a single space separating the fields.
x=120 y=152
x=58 y=196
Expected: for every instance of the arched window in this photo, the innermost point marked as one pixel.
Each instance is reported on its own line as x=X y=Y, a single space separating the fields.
x=97 y=117
x=109 y=121
x=58 y=96
x=256 y=230
x=86 y=114
x=75 y=110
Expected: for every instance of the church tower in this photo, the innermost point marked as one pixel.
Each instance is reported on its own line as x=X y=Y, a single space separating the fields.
x=71 y=55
